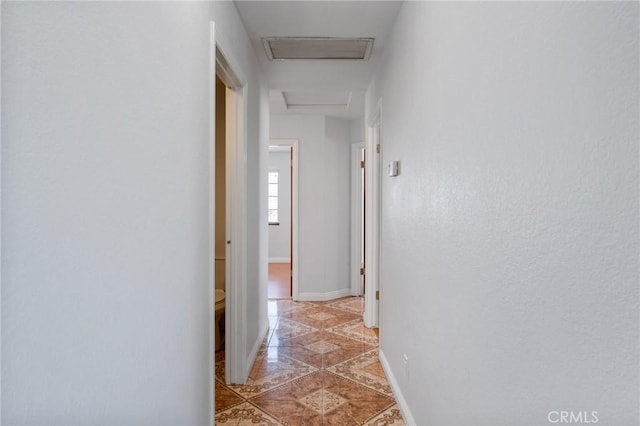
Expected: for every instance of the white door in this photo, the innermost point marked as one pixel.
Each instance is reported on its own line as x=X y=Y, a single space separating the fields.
x=372 y=223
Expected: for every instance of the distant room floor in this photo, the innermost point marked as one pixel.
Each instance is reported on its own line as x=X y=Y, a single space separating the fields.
x=279 y=281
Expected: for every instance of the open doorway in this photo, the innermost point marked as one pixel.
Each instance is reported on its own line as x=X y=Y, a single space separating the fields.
x=283 y=219
x=227 y=250
x=280 y=284
x=220 y=219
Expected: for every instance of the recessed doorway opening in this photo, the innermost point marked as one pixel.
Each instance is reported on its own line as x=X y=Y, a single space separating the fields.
x=227 y=207
x=283 y=219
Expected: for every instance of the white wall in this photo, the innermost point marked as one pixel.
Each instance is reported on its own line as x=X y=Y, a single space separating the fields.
x=357 y=130
x=323 y=267
x=105 y=221
x=257 y=126
x=263 y=233
x=280 y=235
x=336 y=208
x=510 y=239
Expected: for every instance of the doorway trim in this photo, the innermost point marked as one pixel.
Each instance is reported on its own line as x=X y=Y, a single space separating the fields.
x=225 y=67
x=356 y=218
x=295 y=259
x=373 y=214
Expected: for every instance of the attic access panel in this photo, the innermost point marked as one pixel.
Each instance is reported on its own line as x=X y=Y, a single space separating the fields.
x=317 y=48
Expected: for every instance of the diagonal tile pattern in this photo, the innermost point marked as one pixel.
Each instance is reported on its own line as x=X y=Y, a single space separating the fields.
x=317 y=366
x=364 y=369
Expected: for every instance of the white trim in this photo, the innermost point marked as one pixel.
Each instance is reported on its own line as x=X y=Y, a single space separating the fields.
x=279 y=260
x=256 y=347
x=226 y=69
x=1 y=222
x=356 y=218
x=321 y=297
x=373 y=215
x=223 y=64
x=212 y=219
x=395 y=388
x=295 y=175
x=236 y=285
x=279 y=148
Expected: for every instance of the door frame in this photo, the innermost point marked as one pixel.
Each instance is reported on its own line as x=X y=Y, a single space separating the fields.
x=295 y=259
x=356 y=217
x=373 y=213
x=225 y=67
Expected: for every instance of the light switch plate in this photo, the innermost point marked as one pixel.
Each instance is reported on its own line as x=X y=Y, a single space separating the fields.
x=394 y=168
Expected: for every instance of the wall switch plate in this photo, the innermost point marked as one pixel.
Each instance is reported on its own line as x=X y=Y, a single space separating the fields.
x=394 y=168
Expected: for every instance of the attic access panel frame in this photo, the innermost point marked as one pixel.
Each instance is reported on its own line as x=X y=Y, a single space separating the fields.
x=318 y=48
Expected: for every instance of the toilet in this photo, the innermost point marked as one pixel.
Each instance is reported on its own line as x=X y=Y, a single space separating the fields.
x=219 y=318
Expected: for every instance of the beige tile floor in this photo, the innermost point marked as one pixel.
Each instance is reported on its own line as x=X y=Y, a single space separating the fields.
x=318 y=365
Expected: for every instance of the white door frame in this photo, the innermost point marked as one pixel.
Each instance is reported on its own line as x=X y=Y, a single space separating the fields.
x=356 y=218
x=373 y=214
x=226 y=68
x=295 y=261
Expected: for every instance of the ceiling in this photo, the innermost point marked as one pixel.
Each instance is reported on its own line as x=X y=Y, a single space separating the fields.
x=331 y=87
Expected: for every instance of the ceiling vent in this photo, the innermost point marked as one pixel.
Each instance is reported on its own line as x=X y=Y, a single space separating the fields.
x=317 y=48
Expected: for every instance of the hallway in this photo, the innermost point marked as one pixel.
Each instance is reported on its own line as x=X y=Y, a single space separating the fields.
x=500 y=232
x=318 y=365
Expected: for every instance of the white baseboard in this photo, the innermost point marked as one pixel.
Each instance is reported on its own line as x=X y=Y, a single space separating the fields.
x=256 y=346
x=321 y=297
x=395 y=388
x=279 y=260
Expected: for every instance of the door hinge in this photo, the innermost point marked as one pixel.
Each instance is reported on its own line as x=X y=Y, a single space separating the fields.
x=377 y=294
x=362 y=271
x=362 y=164
x=378 y=148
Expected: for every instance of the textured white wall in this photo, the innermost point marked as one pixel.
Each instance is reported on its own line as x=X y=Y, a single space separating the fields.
x=336 y=208
x=263 y=232
x=510 y=239
x=105 y=195
x=280 y=235
x=323 y=200
x=356 y=129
